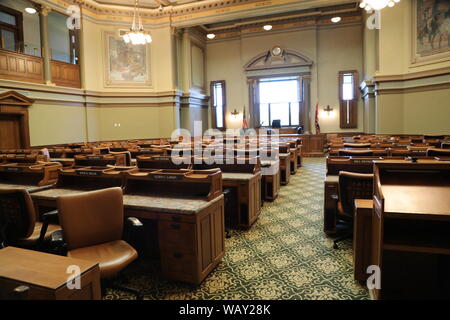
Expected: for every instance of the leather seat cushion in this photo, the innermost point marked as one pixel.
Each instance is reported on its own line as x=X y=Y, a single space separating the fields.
x=33 y=239
x=112 y=256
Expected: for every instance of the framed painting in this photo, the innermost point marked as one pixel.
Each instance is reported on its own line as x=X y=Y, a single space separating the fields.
x=126 y=65
x=431 y=31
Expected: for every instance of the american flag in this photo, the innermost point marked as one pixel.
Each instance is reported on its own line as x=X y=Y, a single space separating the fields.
x=244 y=121
x=317 y=119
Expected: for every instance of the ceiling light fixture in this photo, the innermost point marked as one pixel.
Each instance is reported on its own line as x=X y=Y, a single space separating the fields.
x=137 y=35
x=30 y=10
x=210 y=36
x=370 y=5
x=267 y=27
x=336 y=19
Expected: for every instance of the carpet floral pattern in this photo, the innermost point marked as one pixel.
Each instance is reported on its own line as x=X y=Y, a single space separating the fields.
x=285 y=255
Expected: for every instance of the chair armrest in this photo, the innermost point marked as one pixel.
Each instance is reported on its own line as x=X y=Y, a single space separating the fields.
x=46 y=217
x=134 y=222
x=49 y=215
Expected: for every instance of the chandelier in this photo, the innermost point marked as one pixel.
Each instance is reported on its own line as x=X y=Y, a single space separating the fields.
x=370 y=5
x=137 y=35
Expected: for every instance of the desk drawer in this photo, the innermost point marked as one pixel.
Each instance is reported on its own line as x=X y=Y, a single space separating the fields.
x=179 y=235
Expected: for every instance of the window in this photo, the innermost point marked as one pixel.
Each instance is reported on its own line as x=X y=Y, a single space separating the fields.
x=218 y=104
x=279 y=99
x=348 y=99
x=11 y=34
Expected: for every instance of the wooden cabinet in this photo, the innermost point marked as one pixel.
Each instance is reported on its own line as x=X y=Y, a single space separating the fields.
x=313 y=145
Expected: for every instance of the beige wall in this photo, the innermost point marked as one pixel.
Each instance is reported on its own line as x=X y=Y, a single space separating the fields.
x=56 y=124
x=331 y=49
x=418 y=109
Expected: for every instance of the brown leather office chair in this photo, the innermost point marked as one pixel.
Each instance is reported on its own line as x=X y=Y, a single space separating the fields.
x=351 y=186
x=445 y=145
x=435 y=152
x=357 y=145
x=18 y=225
x=127 y=156
x=93 y=226
x=355 y=153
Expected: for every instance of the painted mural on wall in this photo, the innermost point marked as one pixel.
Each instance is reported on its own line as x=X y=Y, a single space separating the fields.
x=433 y=27
x=127 y=65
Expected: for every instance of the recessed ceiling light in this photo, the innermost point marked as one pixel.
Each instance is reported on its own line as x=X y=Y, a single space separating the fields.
x=211 y=36
x=267 y=27
x=336 y=19
x=30 y=10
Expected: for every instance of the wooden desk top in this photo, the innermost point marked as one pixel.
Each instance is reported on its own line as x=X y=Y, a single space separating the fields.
x=364 y=203
x=169 y=204
x=29 y=188
x=239 y=176
x=332 y=179
x=38 y=268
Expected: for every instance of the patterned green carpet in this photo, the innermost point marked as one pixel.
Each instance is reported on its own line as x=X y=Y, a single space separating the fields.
x=285 y=255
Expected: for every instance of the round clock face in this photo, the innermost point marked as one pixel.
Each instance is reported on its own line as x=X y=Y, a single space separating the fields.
x=276 y=51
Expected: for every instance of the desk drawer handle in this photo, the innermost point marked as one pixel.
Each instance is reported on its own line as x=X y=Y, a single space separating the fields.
x=178 y=255
x=175 y=226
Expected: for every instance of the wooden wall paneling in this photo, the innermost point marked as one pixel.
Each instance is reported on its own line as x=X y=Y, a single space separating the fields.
x=21 y=67
x=65 y=74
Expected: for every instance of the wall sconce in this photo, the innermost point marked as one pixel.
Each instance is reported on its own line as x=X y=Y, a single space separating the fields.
x=235 y=114
x=328 y=110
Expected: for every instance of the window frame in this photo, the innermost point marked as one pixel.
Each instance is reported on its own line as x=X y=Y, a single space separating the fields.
x=300 y=93
x=17 y=29
x=352 y=118
x=224 y=104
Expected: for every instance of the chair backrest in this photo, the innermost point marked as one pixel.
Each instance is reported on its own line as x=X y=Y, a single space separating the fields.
x=354 y=186
x=17 y=215
x=435 y=152
x=91 y=218
x=445 y=145
x=127 y=156
x=356 y=153
x=357 y=145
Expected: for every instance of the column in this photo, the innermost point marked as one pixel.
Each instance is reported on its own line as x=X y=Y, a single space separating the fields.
x=45 y=48
x=306 y=112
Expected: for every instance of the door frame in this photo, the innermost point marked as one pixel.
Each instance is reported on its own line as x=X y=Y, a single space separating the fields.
x=16 y=104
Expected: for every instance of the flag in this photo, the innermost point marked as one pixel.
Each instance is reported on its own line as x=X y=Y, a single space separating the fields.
x=244 y=121
x=317 y=119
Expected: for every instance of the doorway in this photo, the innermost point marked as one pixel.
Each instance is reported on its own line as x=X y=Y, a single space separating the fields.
x=10 y=135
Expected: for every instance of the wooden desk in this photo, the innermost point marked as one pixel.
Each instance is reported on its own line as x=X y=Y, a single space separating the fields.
x=329 y=210
x=46 y=275
x=270 y=183
x=247 y=197
x=293 y=160
x=411 y=220
x=285 y=168
x=362 y=237
x=190 y=232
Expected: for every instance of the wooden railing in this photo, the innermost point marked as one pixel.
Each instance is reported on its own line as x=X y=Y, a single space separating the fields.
x=21 y=67
x=65 y=74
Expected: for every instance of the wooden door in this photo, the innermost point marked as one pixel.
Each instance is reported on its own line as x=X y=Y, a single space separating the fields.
x=10 y=133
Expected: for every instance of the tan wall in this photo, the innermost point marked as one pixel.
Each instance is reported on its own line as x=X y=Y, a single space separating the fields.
x=407 y=112
x=56 y=124
x=331 y=49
